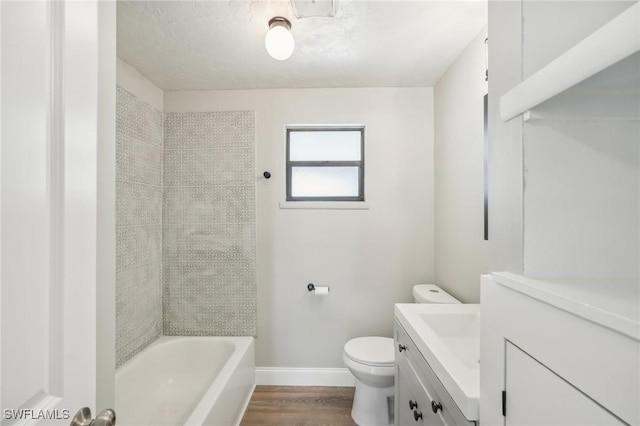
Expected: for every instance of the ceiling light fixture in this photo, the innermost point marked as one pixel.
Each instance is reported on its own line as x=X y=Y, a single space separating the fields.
x=279 y=41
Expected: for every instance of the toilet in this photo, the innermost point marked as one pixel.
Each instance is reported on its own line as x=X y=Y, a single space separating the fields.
x=430 y=293
x=371 y=361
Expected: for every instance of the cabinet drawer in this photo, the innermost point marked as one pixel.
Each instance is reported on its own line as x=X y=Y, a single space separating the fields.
x=407 y=355
x=413 y=402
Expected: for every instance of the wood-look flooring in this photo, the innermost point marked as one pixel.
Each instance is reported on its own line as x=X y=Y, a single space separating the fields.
x=299 y=406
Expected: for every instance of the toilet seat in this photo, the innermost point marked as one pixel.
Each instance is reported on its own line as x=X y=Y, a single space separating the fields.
x=372 y=351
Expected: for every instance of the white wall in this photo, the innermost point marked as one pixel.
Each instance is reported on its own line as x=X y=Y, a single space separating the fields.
x=506 y=223
x=461 y=252
x=370 y=258
x=547 y=32
x=138 y=85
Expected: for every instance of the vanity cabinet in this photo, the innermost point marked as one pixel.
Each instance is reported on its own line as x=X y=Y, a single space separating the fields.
x=414 y=400
x=420 y=397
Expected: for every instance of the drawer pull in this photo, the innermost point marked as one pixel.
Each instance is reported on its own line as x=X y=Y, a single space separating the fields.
x=417 y=415
x=401 y=347
x=412 y=405
x=435 y=406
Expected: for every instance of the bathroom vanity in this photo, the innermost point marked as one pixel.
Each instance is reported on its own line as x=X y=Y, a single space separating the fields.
x=437 y=364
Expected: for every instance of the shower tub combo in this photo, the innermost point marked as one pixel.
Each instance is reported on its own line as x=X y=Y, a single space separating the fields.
x=193 y=381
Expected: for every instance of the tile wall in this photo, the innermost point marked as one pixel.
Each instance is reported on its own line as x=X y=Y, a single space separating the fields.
x=209 y=224
x=139 y=139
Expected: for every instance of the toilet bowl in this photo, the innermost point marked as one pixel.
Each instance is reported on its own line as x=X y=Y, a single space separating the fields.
x=371 y=360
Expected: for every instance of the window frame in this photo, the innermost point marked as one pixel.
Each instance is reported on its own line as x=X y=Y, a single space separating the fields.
x=326 y=163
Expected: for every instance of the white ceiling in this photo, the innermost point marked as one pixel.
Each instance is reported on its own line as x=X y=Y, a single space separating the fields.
x=199 y=45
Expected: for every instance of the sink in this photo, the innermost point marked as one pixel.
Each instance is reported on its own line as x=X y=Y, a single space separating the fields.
x=460 y=332
x=448 y=337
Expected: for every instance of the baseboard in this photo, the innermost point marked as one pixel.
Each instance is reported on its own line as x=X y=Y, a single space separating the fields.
x=276 y=376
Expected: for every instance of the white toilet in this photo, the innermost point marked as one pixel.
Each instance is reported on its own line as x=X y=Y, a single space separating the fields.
x=371 y=361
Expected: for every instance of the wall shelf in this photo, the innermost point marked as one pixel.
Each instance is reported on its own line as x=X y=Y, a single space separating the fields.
x=599 y=74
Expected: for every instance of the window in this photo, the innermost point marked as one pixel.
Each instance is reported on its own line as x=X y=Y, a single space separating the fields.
x=325 y=163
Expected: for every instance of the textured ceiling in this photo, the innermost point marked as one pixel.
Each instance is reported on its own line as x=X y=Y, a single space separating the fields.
x=198 y=45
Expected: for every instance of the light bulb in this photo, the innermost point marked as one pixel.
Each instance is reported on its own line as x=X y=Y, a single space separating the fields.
x=279 y=41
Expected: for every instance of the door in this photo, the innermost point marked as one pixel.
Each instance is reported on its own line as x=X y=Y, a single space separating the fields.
x=537 y=396
x=49 y=217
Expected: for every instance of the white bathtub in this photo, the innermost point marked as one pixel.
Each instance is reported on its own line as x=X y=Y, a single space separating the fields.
x=187 y=381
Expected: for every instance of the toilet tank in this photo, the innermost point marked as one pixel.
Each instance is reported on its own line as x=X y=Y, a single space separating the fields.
x=431 y=293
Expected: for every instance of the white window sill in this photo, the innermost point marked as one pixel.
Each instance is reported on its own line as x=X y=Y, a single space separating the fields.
x=325 y=205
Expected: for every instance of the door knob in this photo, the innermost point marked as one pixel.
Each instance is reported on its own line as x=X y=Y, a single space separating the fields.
x=417 y=415
x=104 y=418
x=435 y=406
x=401 y=347
x=412 y=405
x=82 y=417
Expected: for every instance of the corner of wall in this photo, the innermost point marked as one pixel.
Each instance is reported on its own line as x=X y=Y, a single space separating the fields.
x=460 y=250
x=137 y=84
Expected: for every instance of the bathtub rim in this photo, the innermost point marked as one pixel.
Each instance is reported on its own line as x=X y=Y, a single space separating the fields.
x=167 y=339
x=242 y=345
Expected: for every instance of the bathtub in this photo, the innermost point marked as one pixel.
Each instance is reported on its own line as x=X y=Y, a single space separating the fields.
x=187 y=381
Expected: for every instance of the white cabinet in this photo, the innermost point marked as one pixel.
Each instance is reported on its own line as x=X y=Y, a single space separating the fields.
x=563 y=348
x=538 y=396
x=420 y=398
x=562 y=352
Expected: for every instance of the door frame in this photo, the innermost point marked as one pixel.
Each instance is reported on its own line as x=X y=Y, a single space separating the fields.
x=82 y=79
x=106 y=208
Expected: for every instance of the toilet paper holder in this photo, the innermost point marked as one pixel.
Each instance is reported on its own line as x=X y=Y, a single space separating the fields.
x=312 y=287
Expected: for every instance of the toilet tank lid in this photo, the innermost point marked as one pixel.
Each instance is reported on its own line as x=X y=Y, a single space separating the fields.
x=431 y=293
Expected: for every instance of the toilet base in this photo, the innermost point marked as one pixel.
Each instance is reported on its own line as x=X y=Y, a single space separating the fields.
x=372 y=406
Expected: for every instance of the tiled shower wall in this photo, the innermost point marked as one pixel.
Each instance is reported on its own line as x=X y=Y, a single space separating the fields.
x=139 y=140
x=209 y=224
